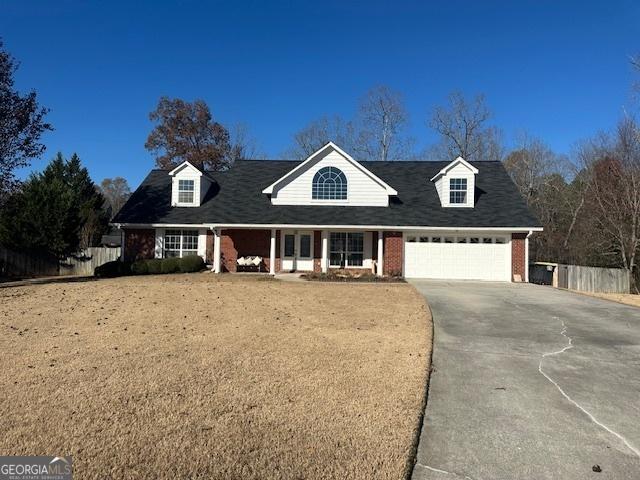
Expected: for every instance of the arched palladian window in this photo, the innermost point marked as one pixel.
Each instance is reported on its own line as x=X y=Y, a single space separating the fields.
x=329 y=183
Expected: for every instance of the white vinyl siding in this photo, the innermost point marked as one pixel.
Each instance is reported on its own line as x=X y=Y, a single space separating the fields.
x=362 y=190
x=459 y=171
x=201 y=185
x=439 y=188
x=457 y=256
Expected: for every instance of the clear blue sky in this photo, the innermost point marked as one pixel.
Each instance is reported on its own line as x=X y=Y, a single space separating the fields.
x=559 y=70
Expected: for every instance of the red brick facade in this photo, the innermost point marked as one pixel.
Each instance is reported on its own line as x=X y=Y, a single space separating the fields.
x=393 y=248
x=139 y=244
x=236 y=243
x=518 y=260
x=317 y=250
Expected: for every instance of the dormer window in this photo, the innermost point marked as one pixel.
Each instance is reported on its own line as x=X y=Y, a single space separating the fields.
x=458 y=190
x=186 y=191
x=330 y=176
x=189 y=185
x=329 y=183
x=456 y=183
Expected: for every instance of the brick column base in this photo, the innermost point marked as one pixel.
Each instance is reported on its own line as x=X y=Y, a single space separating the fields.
x=393 y=248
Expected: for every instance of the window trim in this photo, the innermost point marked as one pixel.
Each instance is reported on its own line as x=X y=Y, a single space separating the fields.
x=455 y=188
x=322 y=177
x=300 y=253
x=180 y=190
x=345 y=251
x=284 y=245
x=181 y=250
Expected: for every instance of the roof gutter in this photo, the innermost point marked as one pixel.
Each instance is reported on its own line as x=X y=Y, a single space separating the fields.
x=404 y=228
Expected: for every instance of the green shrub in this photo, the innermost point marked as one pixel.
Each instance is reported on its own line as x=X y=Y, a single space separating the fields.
x=192 y=263
x=141 y=267
x=154 y=266
x=170 y=265
x=113 y=269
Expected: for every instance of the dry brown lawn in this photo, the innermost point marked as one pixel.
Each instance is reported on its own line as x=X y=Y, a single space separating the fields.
x=626 y=298
x=197 y=376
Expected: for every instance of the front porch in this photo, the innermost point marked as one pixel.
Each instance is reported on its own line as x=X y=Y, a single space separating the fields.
x=297 y=250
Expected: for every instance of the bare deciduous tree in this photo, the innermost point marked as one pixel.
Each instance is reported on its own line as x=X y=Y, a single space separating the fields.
x=530 y=165
x=381 y=117
x=116 y=192
x=318 y=133
x=614 y=173
x=243 y=145
x=462 y=125
x=635 y=63
x=376 y=132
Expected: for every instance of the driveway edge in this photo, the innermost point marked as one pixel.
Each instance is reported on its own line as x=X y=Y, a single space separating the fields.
x=413 y=457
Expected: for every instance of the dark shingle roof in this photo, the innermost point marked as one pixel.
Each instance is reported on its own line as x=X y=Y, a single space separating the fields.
x=237 y=198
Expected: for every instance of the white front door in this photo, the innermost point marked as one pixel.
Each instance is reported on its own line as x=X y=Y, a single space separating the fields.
x=297 y=250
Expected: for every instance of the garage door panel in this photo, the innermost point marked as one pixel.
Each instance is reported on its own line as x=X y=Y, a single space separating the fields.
x=458 y=261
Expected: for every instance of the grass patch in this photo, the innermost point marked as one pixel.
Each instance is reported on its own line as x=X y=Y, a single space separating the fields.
x=204 y=376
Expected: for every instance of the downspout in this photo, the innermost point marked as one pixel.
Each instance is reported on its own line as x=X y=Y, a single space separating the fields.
x=526 y=256
x=119 y=227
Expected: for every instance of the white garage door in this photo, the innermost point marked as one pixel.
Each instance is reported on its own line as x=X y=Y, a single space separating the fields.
x=468 y=257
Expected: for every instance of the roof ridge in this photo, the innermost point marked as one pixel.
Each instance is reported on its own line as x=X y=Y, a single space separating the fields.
x=266 y=160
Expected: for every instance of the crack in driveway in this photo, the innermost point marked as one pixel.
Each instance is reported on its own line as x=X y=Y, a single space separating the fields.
x=569 y=346
x=438 y=470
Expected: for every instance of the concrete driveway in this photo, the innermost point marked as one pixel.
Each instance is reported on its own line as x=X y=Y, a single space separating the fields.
x=530 y=382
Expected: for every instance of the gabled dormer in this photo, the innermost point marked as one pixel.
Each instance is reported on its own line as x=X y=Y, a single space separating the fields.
x=456 y=184
x=189 y=185
x=330 y=176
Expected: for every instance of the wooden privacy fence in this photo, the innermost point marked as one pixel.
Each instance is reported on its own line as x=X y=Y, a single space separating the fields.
x=580 y=278
x=18 y=264
x=593 y=279
x=85 y=262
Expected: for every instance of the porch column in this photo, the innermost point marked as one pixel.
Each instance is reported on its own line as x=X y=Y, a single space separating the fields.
x=272 y=253
x=380 y=269
x=216 y=250
x=324 y=262
x=526 y=257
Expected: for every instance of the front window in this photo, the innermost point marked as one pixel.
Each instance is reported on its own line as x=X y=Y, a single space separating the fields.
x=346 y=249
x=458 y=190
x=289 y=245
x=305 y=246
x=180 y=243
x=329 y=183
x=186 y=189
